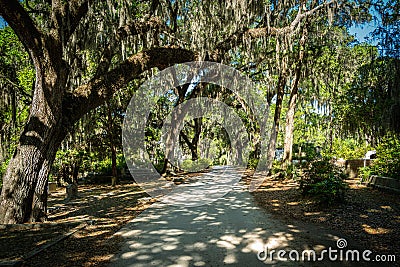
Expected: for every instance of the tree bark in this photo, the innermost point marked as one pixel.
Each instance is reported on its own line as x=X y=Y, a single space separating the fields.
x=277 y=117
x=24 y=194
x=289 y=128
x=194 y=143
x=110 y=132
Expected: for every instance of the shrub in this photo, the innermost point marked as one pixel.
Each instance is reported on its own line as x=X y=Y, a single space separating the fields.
x=324 y=182
x=195 y=166
x=388 y=157
x=253 y=163
x=365 y=172
x=348 y=149
x=309 y=151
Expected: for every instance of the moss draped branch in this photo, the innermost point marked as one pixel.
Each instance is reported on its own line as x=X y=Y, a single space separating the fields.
x=254 y=33
x=77 y=10
x=91 y=95
x=138 y=27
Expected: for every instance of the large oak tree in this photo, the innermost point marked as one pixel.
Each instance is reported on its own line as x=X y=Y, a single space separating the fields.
x=54 y=110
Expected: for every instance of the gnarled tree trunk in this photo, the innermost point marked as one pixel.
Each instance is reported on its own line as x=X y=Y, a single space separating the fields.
x=24 y=193
x=289 y=128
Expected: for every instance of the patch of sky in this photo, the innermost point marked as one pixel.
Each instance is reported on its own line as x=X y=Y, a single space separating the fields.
x=3 y=23
x=363 y=32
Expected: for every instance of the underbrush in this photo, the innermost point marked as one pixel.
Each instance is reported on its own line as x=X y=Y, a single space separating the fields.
x=324 y=182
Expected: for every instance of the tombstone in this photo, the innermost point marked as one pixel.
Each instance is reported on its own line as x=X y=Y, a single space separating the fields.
x=370 y=154
x=72 y=191
x=52 y=187
x=279 y=154
x=114 y=181
x=386 y=183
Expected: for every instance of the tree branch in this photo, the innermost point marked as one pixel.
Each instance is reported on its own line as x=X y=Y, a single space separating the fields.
x=99 y=89
x=237 y=38
x=139 y=27
x=66 y=16
x=186 y=139
x=173 y=9
x=16 y=86
x=77 y=10
x=23 y=25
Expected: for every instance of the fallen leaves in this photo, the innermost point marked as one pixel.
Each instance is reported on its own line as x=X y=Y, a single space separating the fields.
x=370 y=216
x=106 y=209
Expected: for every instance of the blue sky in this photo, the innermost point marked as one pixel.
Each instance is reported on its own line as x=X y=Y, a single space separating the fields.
x=362 y=32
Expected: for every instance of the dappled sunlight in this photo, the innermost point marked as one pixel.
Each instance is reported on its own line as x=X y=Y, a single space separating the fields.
x=373 y=210
x=102 y=210
x=375 y=230
x=312 y=213
x=278 y=240
x=195 y=190
x=229 y=231
x=368 y=215
x=105 y=201
x=388 y=208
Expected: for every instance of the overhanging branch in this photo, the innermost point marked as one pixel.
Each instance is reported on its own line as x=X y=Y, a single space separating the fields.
x=91 y=95
x=136 y=28
x=77 y=10
x=237 y=38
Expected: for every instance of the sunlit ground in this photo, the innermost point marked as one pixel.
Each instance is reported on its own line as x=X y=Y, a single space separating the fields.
x=372 y=217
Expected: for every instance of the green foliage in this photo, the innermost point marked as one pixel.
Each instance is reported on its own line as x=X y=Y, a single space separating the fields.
x=348 y=149
x=197 y=165
x=16 y=78
x=281 y=171
x=309 y=151
x=292 y=171
x=324 y=182
x=253 y=163
x=121 y=163
x=388 y=158
x=370 y=105
x=3 y=168
x=365 y=172
x=103 y=166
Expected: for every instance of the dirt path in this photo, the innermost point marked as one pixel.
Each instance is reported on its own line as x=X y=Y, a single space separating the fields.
x=230 y=231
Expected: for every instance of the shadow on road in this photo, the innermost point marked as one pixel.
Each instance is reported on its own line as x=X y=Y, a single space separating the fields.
x=230 y=231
